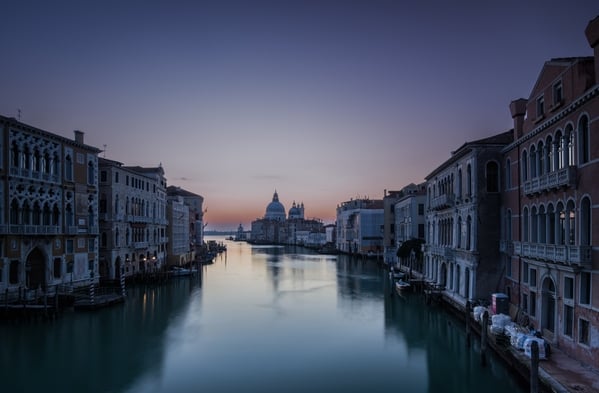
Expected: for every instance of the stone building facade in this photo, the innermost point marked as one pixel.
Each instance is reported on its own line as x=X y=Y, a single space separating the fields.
x=550 y=235
x=48 y=209
x=463 y=221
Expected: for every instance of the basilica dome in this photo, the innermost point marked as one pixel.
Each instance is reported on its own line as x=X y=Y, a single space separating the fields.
x=275 y=209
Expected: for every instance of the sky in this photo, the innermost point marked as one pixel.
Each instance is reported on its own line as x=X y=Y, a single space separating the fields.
x=320 y=100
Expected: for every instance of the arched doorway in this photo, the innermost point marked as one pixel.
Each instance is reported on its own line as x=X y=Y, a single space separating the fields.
x=548 y=305
x=35 y=268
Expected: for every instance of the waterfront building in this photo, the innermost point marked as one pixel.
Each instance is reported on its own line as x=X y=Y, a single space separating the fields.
x=48 y=210
x=279 y=228
x=389 y=244
x=410 y=222
x=463 y=221
x=132 y=219
x=179 y=250
x=360 y=226
x=549 y=240
x=196 y=216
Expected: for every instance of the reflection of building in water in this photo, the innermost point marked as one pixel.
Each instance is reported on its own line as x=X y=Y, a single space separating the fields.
x=277 y=227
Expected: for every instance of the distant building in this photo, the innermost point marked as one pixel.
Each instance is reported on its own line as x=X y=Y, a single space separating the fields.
x=179 y=249
x=278 y=228
x=389 y=243
x=410 y=220
x=48 y=210
x=196 y=216
x=360 y=226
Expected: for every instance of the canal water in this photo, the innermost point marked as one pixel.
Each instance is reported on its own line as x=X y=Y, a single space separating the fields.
x=259 y=319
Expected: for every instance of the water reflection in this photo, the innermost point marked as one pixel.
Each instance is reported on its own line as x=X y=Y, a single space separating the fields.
x=264 y=319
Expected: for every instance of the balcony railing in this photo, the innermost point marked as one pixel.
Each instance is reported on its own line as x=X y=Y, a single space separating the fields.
x=565 y=177
x=442 y=202
x=567 y=254
x=30 y=229
x=506 y=246
x=139 y=245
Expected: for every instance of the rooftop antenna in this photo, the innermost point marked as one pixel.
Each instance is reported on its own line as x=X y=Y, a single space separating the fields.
x=19 y=114
x=104 y=150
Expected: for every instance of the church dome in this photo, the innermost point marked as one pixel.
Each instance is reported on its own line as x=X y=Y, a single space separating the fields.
x=275 y=209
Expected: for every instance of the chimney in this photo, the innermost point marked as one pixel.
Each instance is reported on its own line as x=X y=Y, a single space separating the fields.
x=78 y=136
x=518 y=110
x=592 y=33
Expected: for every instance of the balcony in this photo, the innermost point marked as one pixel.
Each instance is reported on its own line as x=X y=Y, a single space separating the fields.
x=445 y=252
x=506 y=246
x=565 y=177
x=30 y=229
x=442 y=202
x=140 y=245
x=575 y=256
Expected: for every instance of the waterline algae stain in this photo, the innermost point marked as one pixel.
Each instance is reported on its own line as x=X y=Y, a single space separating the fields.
x=260 y=319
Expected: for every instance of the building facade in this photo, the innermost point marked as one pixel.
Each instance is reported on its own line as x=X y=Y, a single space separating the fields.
x=463 y=221
x=132 y=219
x=48 y=209
x=550 y=212
x=179 y=249
x=196 y=216
x=359 y=225
x=410 y=221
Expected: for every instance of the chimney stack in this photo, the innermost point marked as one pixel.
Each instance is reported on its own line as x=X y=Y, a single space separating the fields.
x=592 y=33
x=78 y=136
x=518 y=110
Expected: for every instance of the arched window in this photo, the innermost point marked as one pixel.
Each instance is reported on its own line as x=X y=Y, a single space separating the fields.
x=47 y=163
x=525 y=224
x=533 y=161
x=569 y=139
x=69 y=215
x=541 y=157
x=549 y=158
x=559 y=145
x=571 y=224
x=14 y=212
x=469 y=180
x=583 y=140
x=524 y=165
x=90 y=217
x=561 y=229
x=116 y=238
x=56 y=165
x=459 y=233
x=551 y=224
x=26 y=214
x=116 y=204
x=585 y=222
x=15 y=155
x=26 y=158
x=542 y=227
x=508 y=174
x=68 y=168
x=36 y=218
x=468 y=233
x=534 y=225
x=47 y=215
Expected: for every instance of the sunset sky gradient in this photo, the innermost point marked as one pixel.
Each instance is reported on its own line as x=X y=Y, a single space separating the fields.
x=321 y=100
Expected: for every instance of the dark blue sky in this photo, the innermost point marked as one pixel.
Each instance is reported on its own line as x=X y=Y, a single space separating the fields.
x=322 y=100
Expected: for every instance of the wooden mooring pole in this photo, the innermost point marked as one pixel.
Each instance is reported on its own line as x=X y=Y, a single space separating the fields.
x=483 y=339
x=534 y=367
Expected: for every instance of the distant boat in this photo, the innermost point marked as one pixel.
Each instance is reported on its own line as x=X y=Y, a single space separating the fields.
x=395 y=273
x=177 y=271
x=402 y=286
